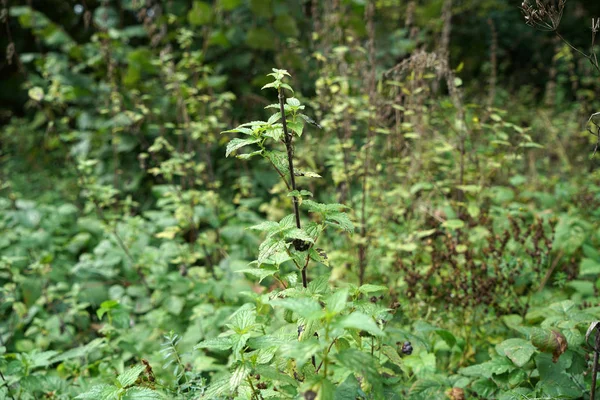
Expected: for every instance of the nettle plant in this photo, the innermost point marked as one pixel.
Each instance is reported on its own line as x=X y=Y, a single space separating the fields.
x=302 y=338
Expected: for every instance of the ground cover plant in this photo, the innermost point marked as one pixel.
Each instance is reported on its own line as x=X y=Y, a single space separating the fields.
x=346 y=199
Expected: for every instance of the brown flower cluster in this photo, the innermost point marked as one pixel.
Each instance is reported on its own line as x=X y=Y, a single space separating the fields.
x=543 y=14
x=465 y=276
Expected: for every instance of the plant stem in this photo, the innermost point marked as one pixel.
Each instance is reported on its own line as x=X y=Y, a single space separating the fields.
x=551 y=270
x=363 y=247
x=255 y=394
x=595 y=366
x=7 y=386
x=290 y=155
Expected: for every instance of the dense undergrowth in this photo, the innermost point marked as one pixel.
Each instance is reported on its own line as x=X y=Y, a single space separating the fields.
x=386 y=229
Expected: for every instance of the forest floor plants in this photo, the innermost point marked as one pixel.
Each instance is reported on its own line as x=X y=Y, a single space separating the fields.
x=303 y=337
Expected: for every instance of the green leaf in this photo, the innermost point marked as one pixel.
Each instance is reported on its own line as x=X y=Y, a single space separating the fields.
x=229 y=5
x=296 y=233
x=292 y=101
x=245 y=131
x=100 y=392
x=368 y=288
x=274 y=118
x=554 y=382
x=570 y=233
x=299 y=193
x=447 y=336
x=265 y=226
x=296 y=127
x=238 y=376
x=36 y=93
x=361 y=322
x=238 y=143
x=242 y=321
x=273 y=374
x=270 y=247
x=349 y=389
x=421 y=364
x=288 y=87
x=428 y=388
x=519 y=351
x=336 y=303
x=453 y=224
x=219 y=343
x=80 y=351
x=261 y=39
x=141 y=393
x=305 y=307
x=262 y=8
x=200 y=14
x=359 y=362
x=287 y=25
x=392 y=354
x=484 y=388
x=589 y=267
x=495 y=366
x=549 y=341
x=261 y=273
x=308 y=174
x=340 y=220
x=131 y=375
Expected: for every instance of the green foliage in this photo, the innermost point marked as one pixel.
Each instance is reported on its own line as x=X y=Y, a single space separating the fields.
x=390 y=227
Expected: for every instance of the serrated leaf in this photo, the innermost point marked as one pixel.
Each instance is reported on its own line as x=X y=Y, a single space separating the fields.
x=240 y=373
x=288 y=87
x=273 y=374
x=265 y=226
x=368 y=288
x=279 y=160
x=100 y=392
x=238 y=143
x=270 y=85
x=310 y=120
x=218 y=343
x=269 y=247
x=80 y=351
x=519 y=351
x=305 y=307
x=428 y=388
x=495 y=366
x=308 y=174
x=340 y=220
x=296 y=233
x=359 y=362
x=589 y=267
x=337 y=301
x=361 y=322
x=242 y=321
x=245 y=131
x=292 y=101
x=260 y=273
x=217 y=388
x=297 y=127
x=247 y=156
x=141 y=393
x=392 y=354
x=274 y=118
x=131 y=375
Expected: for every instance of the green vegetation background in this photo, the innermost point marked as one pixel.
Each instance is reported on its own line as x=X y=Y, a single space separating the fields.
x=444 y=166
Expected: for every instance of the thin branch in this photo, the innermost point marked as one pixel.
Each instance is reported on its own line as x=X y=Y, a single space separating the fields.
x=290 y=156
x=10 y=393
